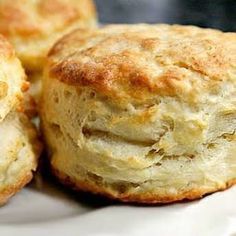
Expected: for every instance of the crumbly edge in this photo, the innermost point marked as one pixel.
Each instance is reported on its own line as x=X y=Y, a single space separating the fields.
x=13 y=189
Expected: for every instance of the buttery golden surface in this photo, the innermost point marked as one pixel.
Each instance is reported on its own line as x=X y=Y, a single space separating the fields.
x=33 y=26
x=143 y=61
x=143 y=113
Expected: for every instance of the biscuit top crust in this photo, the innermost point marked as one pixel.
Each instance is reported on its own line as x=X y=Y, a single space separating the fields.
x=32 y=18
x=142 y=61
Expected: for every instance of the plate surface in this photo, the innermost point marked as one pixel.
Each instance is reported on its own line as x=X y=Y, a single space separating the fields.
x=47 y=209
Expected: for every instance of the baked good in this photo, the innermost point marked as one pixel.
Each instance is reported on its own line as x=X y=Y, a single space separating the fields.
x=12 y=79
x=19 y=145
x=33 y=27
x=19 y=148
x=142 y=113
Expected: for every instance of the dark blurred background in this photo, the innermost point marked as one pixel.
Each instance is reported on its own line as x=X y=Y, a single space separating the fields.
x=219 y=14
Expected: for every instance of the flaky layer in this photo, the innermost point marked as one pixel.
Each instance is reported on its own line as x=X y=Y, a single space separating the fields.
x=33 y=26
x=122 y=170
x=165 y=150
x=19 y=151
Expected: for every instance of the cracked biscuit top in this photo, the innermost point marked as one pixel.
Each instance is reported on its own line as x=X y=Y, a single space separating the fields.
x=140 y=62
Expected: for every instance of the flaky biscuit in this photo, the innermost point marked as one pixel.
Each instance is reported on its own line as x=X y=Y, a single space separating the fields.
x=19 y=151
x=142 y=113
x=19 y=145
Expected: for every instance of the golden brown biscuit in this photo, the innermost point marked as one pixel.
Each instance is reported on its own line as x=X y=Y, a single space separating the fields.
x=142 y=113
x=33 y=26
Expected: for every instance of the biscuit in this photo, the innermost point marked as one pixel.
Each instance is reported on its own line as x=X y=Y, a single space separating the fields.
x=19 y=145
x=33 y=26
x=142 y=113
x=12 y=79
x=19 y=148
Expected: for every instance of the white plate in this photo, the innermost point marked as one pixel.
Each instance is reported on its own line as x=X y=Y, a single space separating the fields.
x=52 y=211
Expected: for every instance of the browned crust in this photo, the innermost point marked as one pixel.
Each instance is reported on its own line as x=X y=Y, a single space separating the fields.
x=16 y=19
x=11 y=190
x=147 y=198
x=125 y=60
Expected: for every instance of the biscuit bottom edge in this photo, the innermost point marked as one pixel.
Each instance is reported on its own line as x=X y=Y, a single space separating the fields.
x=7 y=193
x=145 y=198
